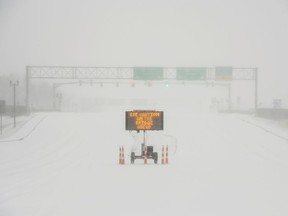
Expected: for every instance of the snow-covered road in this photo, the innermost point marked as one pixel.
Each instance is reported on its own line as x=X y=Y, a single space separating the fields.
x=62 y=164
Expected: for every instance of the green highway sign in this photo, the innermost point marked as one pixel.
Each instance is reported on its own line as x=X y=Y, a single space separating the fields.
x=223 y=73
x=195 y=73
x=148 y=73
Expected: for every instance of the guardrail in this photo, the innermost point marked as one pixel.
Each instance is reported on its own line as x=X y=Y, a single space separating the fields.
x=272 y=113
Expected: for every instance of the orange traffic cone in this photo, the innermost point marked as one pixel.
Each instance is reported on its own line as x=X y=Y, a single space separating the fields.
x=145 y=155
x=120 y=155
x=123 y=156
x=162 y=154
x=166 y=154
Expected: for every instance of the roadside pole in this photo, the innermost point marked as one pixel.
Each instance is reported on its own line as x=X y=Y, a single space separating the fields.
x=14 y=84
x=256 y=89
x=2 y=110
x=1 y=122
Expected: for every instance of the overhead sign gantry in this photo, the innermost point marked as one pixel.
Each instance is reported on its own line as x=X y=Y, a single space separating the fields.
x=218 y=75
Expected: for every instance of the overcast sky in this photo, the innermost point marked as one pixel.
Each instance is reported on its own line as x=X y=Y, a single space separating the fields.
x=243 y=33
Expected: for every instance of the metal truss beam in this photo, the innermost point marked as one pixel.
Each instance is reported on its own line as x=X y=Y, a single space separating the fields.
x=119 y=73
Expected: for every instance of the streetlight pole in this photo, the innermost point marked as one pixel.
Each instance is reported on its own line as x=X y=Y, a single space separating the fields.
x=14 y=84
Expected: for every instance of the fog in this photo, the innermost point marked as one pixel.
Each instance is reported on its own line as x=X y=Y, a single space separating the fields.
x=147 y=33
x=63 y=135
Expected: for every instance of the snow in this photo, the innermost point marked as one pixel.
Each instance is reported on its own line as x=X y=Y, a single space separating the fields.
x=8 y=124
x=67 y=164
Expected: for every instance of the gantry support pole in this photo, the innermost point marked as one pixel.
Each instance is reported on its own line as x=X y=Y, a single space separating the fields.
x=27 y=89
x=256 y=90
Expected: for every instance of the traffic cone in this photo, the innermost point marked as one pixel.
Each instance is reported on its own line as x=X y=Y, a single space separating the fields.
x=162 y=154
x=123 y=156
x=145 y=155
x=166 y=154
x=120 y=155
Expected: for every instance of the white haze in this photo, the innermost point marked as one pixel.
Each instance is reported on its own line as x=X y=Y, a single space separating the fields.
x=149 y=33
x=66 y=163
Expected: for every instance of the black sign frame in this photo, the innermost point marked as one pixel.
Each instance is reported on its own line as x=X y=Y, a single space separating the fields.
x=144 y=120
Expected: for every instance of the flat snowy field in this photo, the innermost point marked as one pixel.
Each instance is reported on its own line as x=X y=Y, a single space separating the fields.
x=66 y=164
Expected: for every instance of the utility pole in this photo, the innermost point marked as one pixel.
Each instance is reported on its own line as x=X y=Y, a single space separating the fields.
x=27 y=100
x=14 y=84
x=2 y=109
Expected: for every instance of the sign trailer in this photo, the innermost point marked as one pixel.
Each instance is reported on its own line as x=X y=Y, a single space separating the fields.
x=143 y=120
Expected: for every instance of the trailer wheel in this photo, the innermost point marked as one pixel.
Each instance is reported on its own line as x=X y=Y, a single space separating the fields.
x=132 y=157
x=155 y=157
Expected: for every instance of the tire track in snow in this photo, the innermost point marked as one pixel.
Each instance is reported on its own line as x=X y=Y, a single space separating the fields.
x=26 y=135
x=265 y=129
